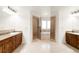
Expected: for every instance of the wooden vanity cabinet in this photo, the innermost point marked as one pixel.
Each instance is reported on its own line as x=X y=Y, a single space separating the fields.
x=72 y=40
x=8 y=45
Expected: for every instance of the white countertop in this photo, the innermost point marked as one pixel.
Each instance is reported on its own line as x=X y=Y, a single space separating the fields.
x=76 y=33
x=4 y=36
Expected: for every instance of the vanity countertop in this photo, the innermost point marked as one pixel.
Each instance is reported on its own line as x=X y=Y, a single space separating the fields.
x=75 y=33
x=4 y=36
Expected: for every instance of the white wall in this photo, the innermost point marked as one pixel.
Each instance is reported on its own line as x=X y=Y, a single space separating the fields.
x=22 y=22
x=66 y=22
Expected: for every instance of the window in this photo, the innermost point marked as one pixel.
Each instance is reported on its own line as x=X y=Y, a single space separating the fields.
x=43 y=24
x=46 y=24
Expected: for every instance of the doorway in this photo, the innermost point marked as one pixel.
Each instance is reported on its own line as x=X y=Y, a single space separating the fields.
x=44 y=28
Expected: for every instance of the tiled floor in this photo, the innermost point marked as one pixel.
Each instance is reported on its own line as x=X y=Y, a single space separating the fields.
x=45 y=46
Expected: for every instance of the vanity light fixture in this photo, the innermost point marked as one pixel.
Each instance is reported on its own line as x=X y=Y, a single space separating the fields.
x=75 y=12
x=9 y=10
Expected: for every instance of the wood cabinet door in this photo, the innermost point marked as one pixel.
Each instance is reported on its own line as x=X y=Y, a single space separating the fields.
x=73 y=40
x=13 y=43
x=18 y=39
x=77 y=41
x=67 y=38
x=1 y=48
x=8 y=45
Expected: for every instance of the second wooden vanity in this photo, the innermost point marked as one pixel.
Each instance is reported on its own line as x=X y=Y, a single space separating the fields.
x=72 y=39
x=9 y=42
